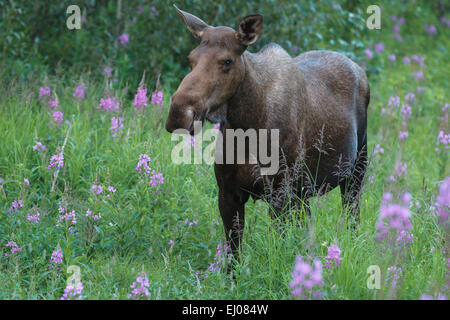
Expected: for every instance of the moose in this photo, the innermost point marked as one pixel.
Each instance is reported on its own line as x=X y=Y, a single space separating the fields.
x=318 y=101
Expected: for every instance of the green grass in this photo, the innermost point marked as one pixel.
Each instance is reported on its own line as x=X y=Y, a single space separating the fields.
x=136 y=224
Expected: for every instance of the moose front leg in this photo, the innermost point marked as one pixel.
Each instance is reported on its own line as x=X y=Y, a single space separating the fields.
x=232 y=211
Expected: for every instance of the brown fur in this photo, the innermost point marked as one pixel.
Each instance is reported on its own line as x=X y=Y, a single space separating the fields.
x=318 y=100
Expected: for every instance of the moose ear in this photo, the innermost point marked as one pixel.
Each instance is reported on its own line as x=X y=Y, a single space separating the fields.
x=249 y=29
x=195 y=25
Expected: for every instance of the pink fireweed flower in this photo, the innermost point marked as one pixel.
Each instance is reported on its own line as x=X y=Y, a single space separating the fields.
x=401 y=21
x=410 y=97
x=394 y=102
x=124 y=39
x=400 y=171
x=14 y=248
x=417 y=75
x=402 y=135
x=443 y=201
x=334 y=255
x=221 y=259
x=393 y=276
x=305 y=277
x=26 y=181
x=418 y=59
x=430 y=297
x=394 y=221
x=139 y=288
x=53 y=103
x=79 y=91
x=142 y=166
x=69 y=218
x=140 y=99
x=108 y=104
x=111 y=191
x=93 y=217
x=379 y=47
x=171 y=243
x=97 y=189
x=444 y=140
x=15 y=205
x=39 y=147
x=73 y=291
x=33 y=218
x=55 y=259
x=406 y=60
x=396 y=28
x=156 y=179
x=191 y=223
x=431 y=30
x=378 y=149
x=107 y=71
x=44 y=92
x=398 y=37
x=57 y=160
x=116 y=126
x=392 y=57
x=369 y=53
x=58 y=116
x=157 y=98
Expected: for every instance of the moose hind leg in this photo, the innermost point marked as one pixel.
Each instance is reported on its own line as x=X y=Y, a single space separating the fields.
x=352 y=185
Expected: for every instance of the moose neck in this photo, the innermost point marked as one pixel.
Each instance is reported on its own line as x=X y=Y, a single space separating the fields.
x=247 y=108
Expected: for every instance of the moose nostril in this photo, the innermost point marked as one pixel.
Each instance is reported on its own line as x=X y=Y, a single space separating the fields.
x=180 y=117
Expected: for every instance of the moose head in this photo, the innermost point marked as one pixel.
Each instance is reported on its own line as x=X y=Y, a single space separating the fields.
x=217 y=70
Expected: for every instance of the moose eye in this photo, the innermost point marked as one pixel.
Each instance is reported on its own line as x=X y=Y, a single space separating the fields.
x=227 y=63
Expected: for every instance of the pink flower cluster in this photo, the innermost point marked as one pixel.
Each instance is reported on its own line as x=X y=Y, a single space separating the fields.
x=44 y=92
x=68 y=218
x=393 y=276
x=55 y=259
x=33 y=218
x=334 y=255
x=430 y=29
x=73 y=291
x=58 y=116
x=394 y=220
x=116 y=126
x=14 y=248
x=93 y=217
x=157 y=98
x=15 y=205
x=190 y=223
x=444 y=140
x=443 y=201
x=394 y=103
x=155 y=178
x=108 y=104
x=98 y=190
x=39 y=147
x=378 y=150
x=396 y=29
x=222 y=257
x=124 y=39
x=306 y=277
x=79 y=92
x=57 y=160
x=140 y=99
x=139 y=288
x=400 y=171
